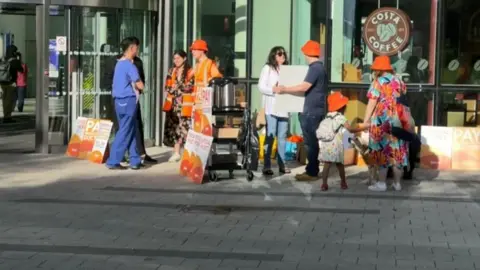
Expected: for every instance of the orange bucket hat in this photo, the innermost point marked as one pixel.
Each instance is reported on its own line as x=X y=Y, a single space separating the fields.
x=381 y=63
x=336 y=101
x=200 y=45
x=311 y=48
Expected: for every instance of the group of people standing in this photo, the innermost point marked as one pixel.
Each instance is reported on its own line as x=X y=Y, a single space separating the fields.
x=128 y=82
x=13 y=82
x=387 y=110
x=384 y=111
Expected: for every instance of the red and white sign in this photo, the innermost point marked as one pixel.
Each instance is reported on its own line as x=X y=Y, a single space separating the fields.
x=387 y=31
x=61 y=43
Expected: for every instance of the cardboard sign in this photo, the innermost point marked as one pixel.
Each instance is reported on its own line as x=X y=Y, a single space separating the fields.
x=466 y=149
x=436 y=152
x=90 y=139
x=195 y=156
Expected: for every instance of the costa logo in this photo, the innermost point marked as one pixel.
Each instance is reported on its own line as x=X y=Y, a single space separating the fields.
x=387 y=31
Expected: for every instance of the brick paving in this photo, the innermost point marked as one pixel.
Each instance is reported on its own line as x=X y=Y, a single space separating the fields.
x=59 y=213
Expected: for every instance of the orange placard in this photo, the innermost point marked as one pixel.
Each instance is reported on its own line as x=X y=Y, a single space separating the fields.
x=90 y=139
x=195 y=156
x=465 y=149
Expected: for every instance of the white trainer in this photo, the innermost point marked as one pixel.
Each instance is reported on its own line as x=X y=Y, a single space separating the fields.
x=379 y=186
x=174 y=158
x=397 y=186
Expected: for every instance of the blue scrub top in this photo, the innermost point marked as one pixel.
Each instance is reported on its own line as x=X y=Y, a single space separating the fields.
x=126 y=74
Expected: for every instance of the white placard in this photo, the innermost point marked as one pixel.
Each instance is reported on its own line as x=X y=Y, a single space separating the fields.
x=289 y=76
x=61 y=43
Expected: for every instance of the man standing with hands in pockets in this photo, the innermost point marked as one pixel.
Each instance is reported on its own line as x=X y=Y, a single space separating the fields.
x=315 y=88
x=126 y=87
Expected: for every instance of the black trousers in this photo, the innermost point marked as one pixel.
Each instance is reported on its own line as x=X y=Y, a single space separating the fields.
x=139 y=135
x=414 y=147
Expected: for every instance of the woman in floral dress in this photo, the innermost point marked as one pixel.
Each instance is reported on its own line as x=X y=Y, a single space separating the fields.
x=180 y=81
x=382 y=114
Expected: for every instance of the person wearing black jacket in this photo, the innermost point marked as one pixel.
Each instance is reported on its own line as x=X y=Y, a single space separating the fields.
x=140 y=134
x=108 y=78
x=8 y=88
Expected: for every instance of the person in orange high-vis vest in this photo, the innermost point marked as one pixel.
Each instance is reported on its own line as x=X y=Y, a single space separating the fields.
x=205 y=68
x=179 y=88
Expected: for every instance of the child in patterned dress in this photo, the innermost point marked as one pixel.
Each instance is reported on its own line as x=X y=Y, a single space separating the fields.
x=330 y=135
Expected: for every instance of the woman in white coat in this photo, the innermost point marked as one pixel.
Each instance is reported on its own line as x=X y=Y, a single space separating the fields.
x=277 y=123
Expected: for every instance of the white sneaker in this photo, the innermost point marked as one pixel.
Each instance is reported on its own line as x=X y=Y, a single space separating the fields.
x=397 y=186
x=379 y=186
x=174 y=158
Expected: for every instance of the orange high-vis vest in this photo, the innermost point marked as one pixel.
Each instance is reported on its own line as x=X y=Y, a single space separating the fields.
x=204 y=72
x=167 y=105
x=187 y=98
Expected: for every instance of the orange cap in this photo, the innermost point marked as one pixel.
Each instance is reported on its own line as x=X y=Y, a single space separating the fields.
x=336 y=101
x=200 y=45
x=311 y=48
x=381 y=63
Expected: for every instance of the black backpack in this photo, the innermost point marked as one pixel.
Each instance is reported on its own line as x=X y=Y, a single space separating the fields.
x=5 y=71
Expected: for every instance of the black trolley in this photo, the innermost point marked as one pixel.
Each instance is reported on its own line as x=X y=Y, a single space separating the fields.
x=246 y=143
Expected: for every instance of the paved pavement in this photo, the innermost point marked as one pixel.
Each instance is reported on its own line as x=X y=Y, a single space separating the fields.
x=59 y=213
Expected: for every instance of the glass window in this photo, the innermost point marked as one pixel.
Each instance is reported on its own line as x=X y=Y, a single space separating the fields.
x=461 y=43
x=459 y=109
x=309 y=22
x=359 y=34
x=179 y=24
x=271 y=27
x=223 y=25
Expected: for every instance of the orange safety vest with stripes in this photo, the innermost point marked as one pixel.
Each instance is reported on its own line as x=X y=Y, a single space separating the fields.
x=204 y=72
x=187 y=104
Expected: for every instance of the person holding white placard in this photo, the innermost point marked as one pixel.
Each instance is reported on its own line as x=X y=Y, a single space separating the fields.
x=277 y=122
x=314 y=88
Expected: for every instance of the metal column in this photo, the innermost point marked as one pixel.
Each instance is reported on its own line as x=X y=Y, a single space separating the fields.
x=42 y=121
x=162 y=23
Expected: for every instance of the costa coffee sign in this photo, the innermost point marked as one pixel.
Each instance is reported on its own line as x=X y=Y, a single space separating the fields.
x=387 y=31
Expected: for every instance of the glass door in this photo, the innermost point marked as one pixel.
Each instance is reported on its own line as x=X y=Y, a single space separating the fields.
x=95 y=38
x=140 y=23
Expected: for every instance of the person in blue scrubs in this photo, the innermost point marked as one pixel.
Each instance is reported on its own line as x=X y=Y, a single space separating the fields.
x=127 y=85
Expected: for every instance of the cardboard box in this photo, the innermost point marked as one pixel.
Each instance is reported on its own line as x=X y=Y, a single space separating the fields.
x=349 y=156
x=301 y=153
x=227 y=133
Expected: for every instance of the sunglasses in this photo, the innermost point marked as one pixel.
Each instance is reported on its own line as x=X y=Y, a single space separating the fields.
x=281 y=54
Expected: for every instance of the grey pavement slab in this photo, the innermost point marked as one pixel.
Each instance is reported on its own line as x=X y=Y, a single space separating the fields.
x=60 y=213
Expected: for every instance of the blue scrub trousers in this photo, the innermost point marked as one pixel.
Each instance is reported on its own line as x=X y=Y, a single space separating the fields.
x=126 y=111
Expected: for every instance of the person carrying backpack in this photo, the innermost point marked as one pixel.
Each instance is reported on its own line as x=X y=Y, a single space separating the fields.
x=330 y=136
x=9 y=67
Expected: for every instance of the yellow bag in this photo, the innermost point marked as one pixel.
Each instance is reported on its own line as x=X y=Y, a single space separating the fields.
x=261 y=149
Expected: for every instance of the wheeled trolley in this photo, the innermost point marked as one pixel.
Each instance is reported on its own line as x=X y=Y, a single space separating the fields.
x=241 y=145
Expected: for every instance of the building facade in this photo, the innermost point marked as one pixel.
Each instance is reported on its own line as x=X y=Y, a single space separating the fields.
x=440 y=61
x=67 y=45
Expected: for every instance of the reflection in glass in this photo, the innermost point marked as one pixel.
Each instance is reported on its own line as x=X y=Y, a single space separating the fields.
x=222 y=24
x=461 y=44
x=351 y=58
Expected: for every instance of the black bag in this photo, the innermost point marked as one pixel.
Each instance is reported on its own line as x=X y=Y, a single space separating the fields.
x=5 y=72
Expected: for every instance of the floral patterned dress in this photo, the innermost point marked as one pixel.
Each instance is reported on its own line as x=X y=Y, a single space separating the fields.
x=332 y=151
x=181 y=84
x=387 y=150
